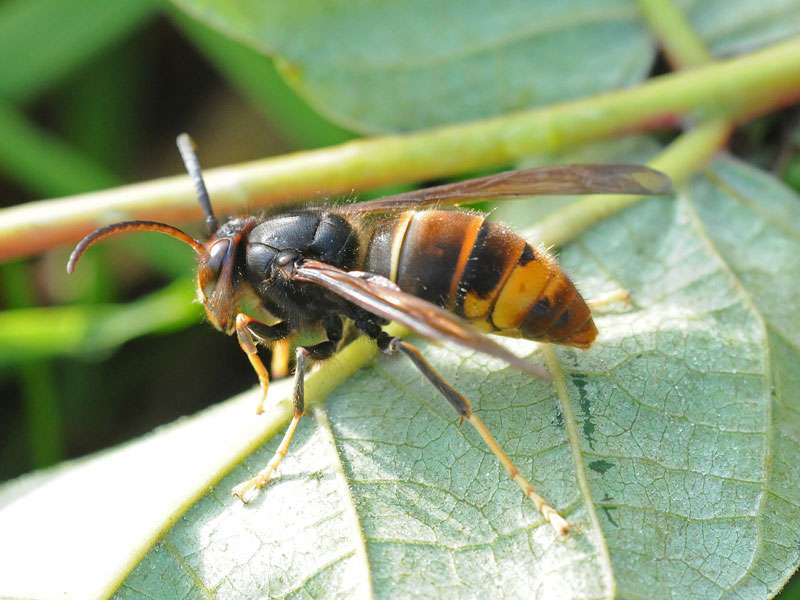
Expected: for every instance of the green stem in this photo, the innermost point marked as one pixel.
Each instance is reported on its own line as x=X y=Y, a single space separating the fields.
x=31 y=334
x=682 y=45
x=735 y=89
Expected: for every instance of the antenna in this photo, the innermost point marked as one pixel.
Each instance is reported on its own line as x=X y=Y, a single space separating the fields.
x=125 y=227
x=187 y=149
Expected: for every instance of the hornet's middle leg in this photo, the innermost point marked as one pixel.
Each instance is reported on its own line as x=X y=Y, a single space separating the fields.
x=321 y=351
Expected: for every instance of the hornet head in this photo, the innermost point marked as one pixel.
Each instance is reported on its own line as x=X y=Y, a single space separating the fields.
x=217 y=278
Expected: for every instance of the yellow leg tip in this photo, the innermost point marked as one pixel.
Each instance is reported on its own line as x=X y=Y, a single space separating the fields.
x=242 y=491
x=619 y=296
x=559 y=523
x=245 y=490
x=262 y=400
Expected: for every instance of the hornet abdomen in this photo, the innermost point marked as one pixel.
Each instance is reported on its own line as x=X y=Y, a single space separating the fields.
x=482 y=271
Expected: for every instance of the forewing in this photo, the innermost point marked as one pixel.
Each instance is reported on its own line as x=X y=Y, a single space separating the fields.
x=549 y=180
x=420 y=316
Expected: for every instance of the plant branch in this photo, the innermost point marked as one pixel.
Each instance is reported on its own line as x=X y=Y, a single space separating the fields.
x=684 y=48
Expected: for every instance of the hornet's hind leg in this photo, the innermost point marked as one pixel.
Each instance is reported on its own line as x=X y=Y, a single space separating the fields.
x=320 y=351
x=603 y=301
x=464 y=408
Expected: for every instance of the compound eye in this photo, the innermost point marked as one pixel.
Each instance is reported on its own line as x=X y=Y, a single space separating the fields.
x=216 y=256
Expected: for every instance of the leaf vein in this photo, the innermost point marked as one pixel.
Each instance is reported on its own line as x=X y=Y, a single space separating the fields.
x=359 y=541
x=188 y=569
x=580 y=469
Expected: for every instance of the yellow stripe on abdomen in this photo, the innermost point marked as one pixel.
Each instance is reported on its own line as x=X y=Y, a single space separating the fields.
x=522 y=289
x=495 y=253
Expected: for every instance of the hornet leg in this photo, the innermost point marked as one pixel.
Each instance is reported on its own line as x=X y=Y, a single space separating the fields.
x=249 y=331
x=279 y=364
x=317 y=351
x=602 y=301
x=464 y=409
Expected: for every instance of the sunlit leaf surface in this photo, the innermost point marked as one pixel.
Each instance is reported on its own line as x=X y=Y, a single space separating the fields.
x=674 y=451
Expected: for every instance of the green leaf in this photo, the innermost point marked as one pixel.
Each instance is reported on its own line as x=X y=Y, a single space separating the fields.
x=43 y=163
x=48 y=38
x=379 y=66
x=259 y=81
x=398 y=66
x=673 y=447
x=733 y=26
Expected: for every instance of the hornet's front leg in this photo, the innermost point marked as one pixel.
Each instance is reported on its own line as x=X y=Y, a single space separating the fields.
x=323 y=350
x=249 y=332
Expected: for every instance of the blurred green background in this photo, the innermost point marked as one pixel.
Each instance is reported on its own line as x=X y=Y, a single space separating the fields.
x=94 y=100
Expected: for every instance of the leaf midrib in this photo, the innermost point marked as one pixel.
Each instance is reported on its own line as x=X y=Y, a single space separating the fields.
x=573 y=438
x=351 y=512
